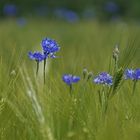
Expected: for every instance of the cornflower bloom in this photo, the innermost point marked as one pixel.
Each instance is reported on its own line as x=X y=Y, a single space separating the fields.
x=50 y=47
x=69 y=79
x=133 y=75
x=129 y=74
x=103 y=78
x=10 y=10
x=38 y=57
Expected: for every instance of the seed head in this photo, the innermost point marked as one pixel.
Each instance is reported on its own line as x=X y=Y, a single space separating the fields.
x=116 y=52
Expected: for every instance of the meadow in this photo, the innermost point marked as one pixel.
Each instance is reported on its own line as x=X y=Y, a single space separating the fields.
x=32 y=110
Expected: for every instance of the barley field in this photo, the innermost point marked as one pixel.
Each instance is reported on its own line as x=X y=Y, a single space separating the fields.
x=33 y=110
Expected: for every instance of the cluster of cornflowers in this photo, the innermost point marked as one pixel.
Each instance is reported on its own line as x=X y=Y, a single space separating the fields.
x=103 y=78
x=49 y=49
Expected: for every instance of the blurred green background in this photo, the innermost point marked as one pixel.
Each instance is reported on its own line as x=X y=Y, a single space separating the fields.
x=102 y=9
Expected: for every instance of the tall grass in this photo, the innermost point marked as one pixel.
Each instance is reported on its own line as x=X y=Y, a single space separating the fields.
x=30 y=110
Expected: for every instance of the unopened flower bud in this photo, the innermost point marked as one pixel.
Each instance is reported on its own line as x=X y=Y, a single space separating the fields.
x=13 y=73
x=85 y=73
x=90 y=75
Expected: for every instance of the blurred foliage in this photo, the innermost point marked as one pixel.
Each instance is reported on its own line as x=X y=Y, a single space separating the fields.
x=28 y=7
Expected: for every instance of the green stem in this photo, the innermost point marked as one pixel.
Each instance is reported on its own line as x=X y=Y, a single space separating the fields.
x=104 y=101
x=116 y=64
x=71 y=90
x=44 y=72
x=134 y=87
x=37 y=68
x=100 y=97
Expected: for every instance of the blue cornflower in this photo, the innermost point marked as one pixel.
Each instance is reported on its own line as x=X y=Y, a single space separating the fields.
x=137 y=74
x=132 y=74
x=21 y=21
x=129 y=74
x=66 y=14
x=111 y=7
x=10 y=10
x=36 y=56
x=50 y=47
x=103 y=78
x=69 y=79
x=71 y=16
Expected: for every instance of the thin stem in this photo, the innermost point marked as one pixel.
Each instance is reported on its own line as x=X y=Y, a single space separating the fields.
x=37 y=68
x=116 y=65
x=134 y=87
x=100 y=98
x=70 y=89
x=104 y=101
x=44 y=72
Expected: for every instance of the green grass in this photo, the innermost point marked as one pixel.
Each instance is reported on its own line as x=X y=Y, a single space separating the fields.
x=30 y=110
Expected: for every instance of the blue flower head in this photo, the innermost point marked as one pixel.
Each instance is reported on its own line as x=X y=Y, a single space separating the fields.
x=36 y=56
x=10 y=10
x=66 y=14
x=132 y=74
x=103 y=78
x=50 y=47
x=21 y=21
x=69 y=79
x=111 y=7
x=129 y=74
x=137 y=74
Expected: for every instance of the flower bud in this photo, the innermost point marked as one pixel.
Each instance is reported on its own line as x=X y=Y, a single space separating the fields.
x=90 y=75
x=13 y=73
x=85 y=73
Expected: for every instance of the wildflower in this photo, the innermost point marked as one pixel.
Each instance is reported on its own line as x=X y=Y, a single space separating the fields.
x=50 y=47
x=111 y=7
x=21 y=21
x=69 y=79
x=66 y=14
x=129 y=74
x=137 y=74
x=103 y=78
x=36 y=56
x=10 y=10
x=132 y=74
x=71 y=16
